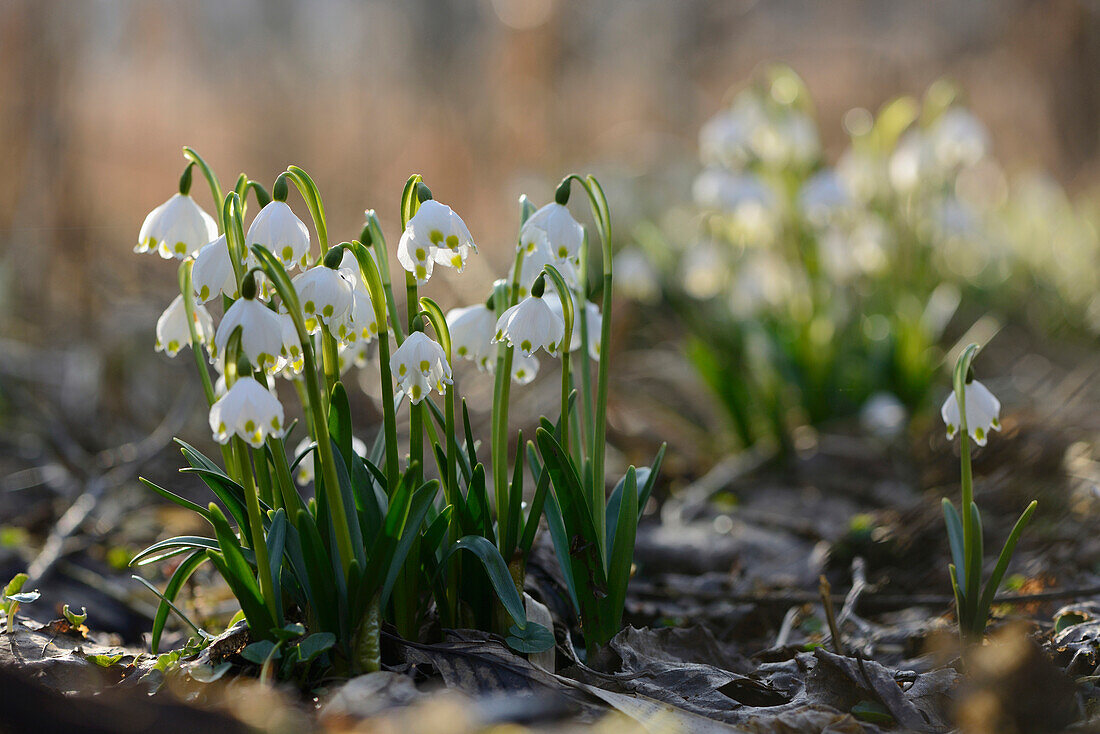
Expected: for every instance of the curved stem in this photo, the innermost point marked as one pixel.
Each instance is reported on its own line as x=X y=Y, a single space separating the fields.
x=256 y=525
x=378 y=242
x=312 y=197
x=211 y=179
x=566 y=296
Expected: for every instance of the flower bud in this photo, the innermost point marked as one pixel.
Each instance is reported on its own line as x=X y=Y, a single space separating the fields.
x=423 y=193
x=248 y=285
x=185 y=180
x=539 y=286
x=561 y=196
x=334 y=257
x=281 y=189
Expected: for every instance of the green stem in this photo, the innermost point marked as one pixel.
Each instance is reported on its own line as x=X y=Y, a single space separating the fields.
x=211 y=179
x=255 y=523
x=501 y=392
x=378 y=242
x=284 y=480
x=330 y=353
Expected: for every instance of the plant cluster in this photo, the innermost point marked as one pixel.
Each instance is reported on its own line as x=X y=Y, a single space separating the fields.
x=380 y=537
x=827 y=287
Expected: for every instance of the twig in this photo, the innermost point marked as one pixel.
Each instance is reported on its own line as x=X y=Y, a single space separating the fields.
x=830 y=614
x=785 y=628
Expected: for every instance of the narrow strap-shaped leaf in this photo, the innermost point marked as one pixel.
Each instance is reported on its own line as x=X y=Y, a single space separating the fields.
x=974 y=565
x=175 y=498
x=955 y=537
x=276 y=543
x=477 y=502
x=418 y=509
x=437 y=528
x=542 y=488
x=164 y=600
x=348 y=496
x=497 y=571
x=317 y=565
x=471 y=444
x=175 y=583
x=622 y=557
x=259 y=619
x=650 y=479
x=301 y=457
x=560 y=539
x=195 y=457
x=515 y=502
x=1003 y=561
x=960 y=599
x=339 y=424
x=153 y=552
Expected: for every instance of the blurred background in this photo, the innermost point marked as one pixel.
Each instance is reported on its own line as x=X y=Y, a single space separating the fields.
x=488 y=99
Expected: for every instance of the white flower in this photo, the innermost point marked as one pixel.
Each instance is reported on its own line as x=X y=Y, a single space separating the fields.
x=419 y=365
x=212 y=274
x=359 y=321
x=172 y=330
x=472 y=329
x=435 y=234
x=303 y=473
x=325 y=296
x=248 y=410
x=293 y=360
x=261 y=333
x=726 y=138
x=177 y=228
x=357 y=354
x=524 y=369
x=592 y=316
x=530 y=324
x=563 y=233
x=279 y=229
x=537 y=259
x=983 y=412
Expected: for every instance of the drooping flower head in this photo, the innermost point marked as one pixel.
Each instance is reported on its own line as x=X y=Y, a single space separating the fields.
x=292 y=359
x=537 y=259
x=435 y=234
x=212 y=275
x=529 y=325
x=556 y=226
x=176 y=229
x=524 y=369
x=983 y=412
x=419 y=365
x=325 y=295
x=261 y=331
x=472 y=329
x=359 y=322
x=593 y=322
x=279 y=229
x=173 y=333
x=248 y=410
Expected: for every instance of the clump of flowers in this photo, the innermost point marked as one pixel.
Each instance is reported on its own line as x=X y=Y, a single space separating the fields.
x=391 y=534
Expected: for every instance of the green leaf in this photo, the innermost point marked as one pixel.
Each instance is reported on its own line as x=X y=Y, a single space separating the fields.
x=872 y=711
x=72 y=617
x=955 y=537
x=165 y=600
x=339 y=424
x=622 y=556
x=105 y=661
x=276 y=544
x=530 y=639
x=542 y=489
x=16 y=584
x=173 y=497
x=515 y=501
x=1003 y=561
x=314 y=645
x=180 y=543
x=650 y=479
x=410 y=530
x=288 y=632
x=175 y=584
x=260 y=652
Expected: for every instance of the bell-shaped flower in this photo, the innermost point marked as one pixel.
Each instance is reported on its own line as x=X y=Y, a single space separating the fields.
x=562 y=232
x=435 y=234
x=356 y=354
x=359 y=322
x=593 y=319
x=248 y=410
x=177 y=228
x=419 y=365
x=172 y=331
x=537 y=259
x=212 y=274
x=524 y=369
x=292 y=360
x=983 y=412
x=472 y=329
x=303 y=473
x=280 y=230
x=325 y=295
x=261 y=333
x=530 y=324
